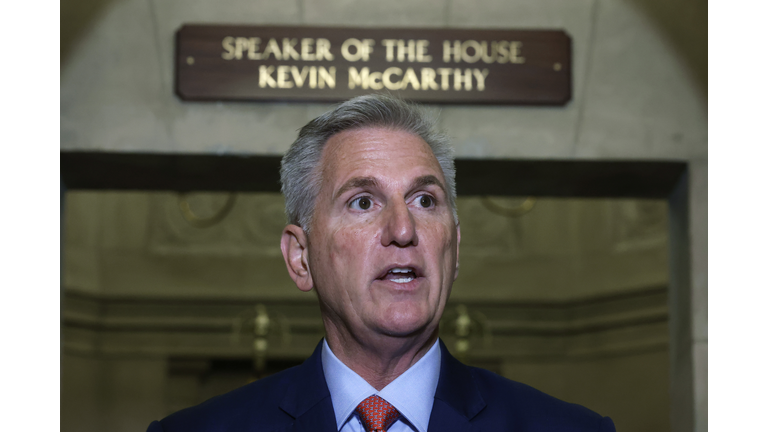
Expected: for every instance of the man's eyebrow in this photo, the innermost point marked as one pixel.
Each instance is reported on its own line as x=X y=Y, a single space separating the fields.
x=356 y=182
x=427 y=180
x=362 y=182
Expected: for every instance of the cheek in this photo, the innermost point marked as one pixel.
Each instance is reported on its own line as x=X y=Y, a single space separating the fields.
x=356 y=233
x=445 y=244
x=441 y=236
x=349 y=248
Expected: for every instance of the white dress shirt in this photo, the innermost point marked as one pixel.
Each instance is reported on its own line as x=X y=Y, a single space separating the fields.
x=412 y=393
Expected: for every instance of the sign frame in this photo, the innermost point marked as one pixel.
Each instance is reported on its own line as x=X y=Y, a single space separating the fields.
x=430 y=65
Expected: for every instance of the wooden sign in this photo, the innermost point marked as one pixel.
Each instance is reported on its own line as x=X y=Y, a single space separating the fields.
x=464 y=66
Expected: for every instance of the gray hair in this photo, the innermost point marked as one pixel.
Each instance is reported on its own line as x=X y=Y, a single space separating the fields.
x=299 y=171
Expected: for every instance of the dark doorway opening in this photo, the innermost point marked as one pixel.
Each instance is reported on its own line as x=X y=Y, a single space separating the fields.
x=475 y=177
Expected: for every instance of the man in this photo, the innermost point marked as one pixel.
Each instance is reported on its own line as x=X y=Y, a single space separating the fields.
x=370 y=197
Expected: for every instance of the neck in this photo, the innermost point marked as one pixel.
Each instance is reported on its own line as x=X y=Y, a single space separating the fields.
x=382 y=360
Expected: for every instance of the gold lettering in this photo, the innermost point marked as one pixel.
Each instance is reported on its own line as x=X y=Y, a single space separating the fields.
x=503 y=51
x=313 y=77
x=253 y=47
x=475 y=47
x=368 y=48
x=428 y=76
x=226 y=43
x=410 y=78
x=457 y=51
x=282 y=77
x=324 y=50
x=411 y=50
x=421 y=51
x=272 y=48
x=416 y=51
x=363 y=49
x=306 y=49
x=386 y=78
x=265 y=77
x=503 y=47
x=241 y=44
x=466 y=79
x=480 y=78
x=389 y=44
x=345 y=49
x=514 y=52
x=374 y=81
x=288 y=50
x=299 y=77
x=327 y=76
x=400 y=50
x=472 y=51
x=490 y=58
x=358 y=79
x=444 y=74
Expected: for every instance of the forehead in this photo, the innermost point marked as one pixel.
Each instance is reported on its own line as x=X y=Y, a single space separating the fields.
x=377 y=152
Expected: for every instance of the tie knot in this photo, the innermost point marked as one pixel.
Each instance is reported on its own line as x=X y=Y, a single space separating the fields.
x=376 y=414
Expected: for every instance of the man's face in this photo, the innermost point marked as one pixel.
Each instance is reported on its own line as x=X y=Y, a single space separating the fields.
x=383 y=247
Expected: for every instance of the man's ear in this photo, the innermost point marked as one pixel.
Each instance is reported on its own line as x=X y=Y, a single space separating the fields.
x=295 y=249
x=458 y=243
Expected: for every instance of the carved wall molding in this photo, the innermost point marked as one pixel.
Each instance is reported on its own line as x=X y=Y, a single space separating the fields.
x=252 y=227
x=202 y=327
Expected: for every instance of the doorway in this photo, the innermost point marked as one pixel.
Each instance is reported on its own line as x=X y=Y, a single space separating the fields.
x=591 y=332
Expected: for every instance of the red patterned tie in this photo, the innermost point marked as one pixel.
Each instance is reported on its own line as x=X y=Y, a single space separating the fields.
x=377 y=414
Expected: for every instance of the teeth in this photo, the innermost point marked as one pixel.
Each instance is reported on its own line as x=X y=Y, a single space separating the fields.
x=401 y=270
x=404 y=274
x=402 y=280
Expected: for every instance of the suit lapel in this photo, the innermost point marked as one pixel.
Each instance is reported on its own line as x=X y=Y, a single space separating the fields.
x=457 y=399
x=307 y=398
x=318 y=418
x=308 y=401
x=445 y=418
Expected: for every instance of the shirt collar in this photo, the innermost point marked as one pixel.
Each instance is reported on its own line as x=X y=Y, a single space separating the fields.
x=412 y=393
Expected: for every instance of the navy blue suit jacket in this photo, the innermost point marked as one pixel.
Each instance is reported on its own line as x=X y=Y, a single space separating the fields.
x=467 y=399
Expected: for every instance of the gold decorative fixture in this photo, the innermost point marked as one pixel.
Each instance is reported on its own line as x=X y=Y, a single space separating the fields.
x=205 y=222
x=261 y=324
x=466 y=326
x=262 y=327
x=463 y=324
x=517 y=211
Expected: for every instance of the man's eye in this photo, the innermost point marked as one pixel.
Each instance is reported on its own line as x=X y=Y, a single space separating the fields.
x=426 y=201
x=362 y=203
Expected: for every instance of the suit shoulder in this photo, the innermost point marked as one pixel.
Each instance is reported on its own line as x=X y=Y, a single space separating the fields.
x=254 y=403
x=530 y=409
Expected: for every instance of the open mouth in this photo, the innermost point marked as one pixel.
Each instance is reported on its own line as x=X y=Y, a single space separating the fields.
x=400 y=275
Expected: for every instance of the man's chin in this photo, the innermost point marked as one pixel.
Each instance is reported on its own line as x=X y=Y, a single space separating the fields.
x=406 y=327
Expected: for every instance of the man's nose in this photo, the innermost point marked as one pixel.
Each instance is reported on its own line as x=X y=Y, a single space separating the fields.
x=399 y=226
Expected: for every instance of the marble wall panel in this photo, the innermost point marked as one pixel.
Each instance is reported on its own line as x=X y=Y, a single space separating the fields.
x=133 y=391
x=111 y=83
x=82 y=239
x=701 y=385
x=373 y=13
x=170 y=15
x=522 y=131
x=80 y=403
x=639 y=99
x=699 y=203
